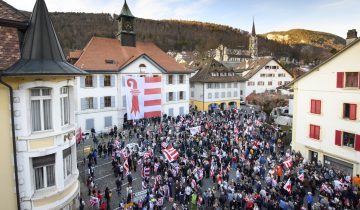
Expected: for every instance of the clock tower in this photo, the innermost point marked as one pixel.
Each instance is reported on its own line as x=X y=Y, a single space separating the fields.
x=126 y=33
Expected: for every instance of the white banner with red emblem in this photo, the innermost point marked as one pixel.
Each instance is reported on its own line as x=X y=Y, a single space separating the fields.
x=143 y=97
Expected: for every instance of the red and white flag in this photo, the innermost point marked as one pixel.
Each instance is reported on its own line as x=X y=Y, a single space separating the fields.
x=156 y=166
x=301 y=177
x=143 y=97
x=288 y=186
x=145 y=172
x=288 y=163
x=170 y=154
x=164 y=144
x=147 y=154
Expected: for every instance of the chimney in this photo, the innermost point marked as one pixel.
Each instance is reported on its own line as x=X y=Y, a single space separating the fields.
x=351 y=36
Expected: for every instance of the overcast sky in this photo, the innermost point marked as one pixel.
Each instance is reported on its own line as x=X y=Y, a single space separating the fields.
x=334 y=16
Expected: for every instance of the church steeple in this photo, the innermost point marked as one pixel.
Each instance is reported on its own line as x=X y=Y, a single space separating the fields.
x=253 y=42
x=126 y=33
x=253 y=33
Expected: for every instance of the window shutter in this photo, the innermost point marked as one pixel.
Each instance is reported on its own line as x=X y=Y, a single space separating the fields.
x=112 y=80
x=83 y=104
x=101 y=103
x=175 y=96
x=357 y=142
x=95 y=102
x=312 y=106
x=94 y=81
x=112 y=101
x=167 y=97
x=340 y=80
x=318 y=107
x=101 y=78
x=359 y=79
x=124 y=101
x=353 y=111
x=82 y=82
x=317 y=132
x=311 y=134
x=123 y=81
x=338 y=138
x=185 y=95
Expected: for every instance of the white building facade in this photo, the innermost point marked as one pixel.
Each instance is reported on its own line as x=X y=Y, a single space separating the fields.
x=326 y=106
x=103 y=101
x=263 y=74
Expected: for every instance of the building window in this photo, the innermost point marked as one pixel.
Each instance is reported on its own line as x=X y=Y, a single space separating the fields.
x=351 y=79
x=67 y=162
x=235 y=94
x=260 y=83
x=269 y=83
x=171 y=96
x=281 y=75
x=89 y=102
x=314 y=132
x=286 y=82
x=108 y=122
x=171 y=111
x=209 y=85
x=235 y=85
x=241 y=92
x=170 y=79
x=89 y=124
x=89 y=81
x=216 y=95
x=107 y=80
x=209 y=95
x=229 y=85
x=217 y=85
x=65 y=106
x=41 y=112
x=142 y=68
x=107 y=101
x=228 y=94
x=181 y=95
x=44 y=171
x=251 y=83
x=348 y=139
x=315 y=106
x=280 y=83
x=181 y=79
x=192 y=85
x=192 y=94
x=349 y=111
x=124 y=100
x=222 y=94
x=222 y=85
x=262 y=75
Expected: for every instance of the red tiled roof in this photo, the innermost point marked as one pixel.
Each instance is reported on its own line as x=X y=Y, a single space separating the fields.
x=7 y=12
x=99 y=49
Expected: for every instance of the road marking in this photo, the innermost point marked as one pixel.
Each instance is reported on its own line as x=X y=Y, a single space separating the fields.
x=99 y=166
x=103 y=177
x=123 y=184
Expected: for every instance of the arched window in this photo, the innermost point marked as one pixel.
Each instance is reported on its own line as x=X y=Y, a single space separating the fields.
x=65 y=106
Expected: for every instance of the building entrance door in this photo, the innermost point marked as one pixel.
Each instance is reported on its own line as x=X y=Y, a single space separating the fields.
x=313 y=156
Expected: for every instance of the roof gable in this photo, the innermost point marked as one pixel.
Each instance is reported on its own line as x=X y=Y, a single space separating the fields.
x=100 y=49
x=8 y=12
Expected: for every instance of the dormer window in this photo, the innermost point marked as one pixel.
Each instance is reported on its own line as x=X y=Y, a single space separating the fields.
x=142 y=68
x=109 y=61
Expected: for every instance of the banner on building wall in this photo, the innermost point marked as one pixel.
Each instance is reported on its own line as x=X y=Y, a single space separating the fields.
x=143 y=97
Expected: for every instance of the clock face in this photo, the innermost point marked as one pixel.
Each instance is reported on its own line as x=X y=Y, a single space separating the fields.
x=128 y=26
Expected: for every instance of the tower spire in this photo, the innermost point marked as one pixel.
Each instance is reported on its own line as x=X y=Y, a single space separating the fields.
x=253 y=33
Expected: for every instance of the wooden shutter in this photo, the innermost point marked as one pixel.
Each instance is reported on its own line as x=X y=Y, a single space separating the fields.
x=338 y=135
x=94 y=81
x=340 y=79
x=95 y=102
x=353 y=108
x=112 y=80
x=83 y=104
x=112 y=101
x=82 y=82
x=311 y=134
x=312 y=106
x=102 y=103
x=101 y=78
x=357 y=142
x=317 y=132
x=318 y=107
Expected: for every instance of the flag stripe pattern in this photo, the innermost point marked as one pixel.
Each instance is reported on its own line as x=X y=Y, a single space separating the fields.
x=152 y=97
x=171 y=154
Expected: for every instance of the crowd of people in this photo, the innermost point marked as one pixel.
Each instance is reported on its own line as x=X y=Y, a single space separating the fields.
x=226 y=160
